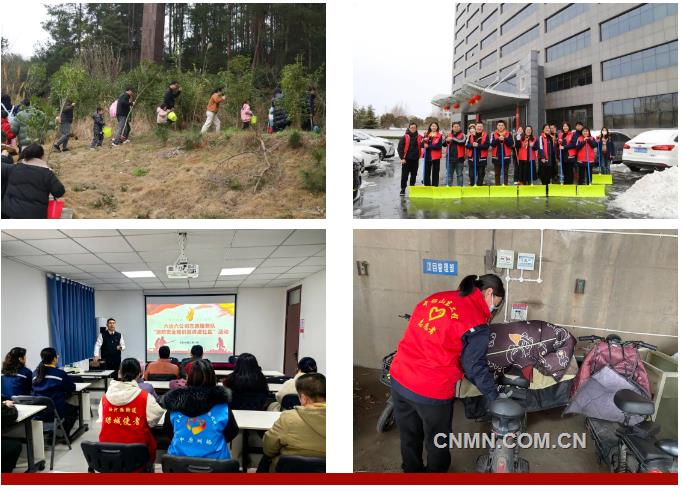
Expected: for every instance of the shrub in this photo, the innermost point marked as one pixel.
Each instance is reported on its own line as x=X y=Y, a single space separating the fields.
x=194 y=139
x=315 y=177
x=295 y=139
x=106 y=201
x=294 y=84
x=140 y=172
x=161 y=133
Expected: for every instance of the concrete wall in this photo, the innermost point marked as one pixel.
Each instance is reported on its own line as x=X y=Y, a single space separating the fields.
x=657 y=82
x=631 y=281
x=312 y=342
x=25 y=320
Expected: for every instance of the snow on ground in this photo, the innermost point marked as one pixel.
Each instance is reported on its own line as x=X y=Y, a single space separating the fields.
x=654 y=195
x=620 y=168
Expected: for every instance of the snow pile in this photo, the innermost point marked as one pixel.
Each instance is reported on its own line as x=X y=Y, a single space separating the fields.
x=654 y=195
x=620 y=168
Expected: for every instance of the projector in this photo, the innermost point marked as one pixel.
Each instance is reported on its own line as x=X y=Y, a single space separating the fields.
x=182 y=270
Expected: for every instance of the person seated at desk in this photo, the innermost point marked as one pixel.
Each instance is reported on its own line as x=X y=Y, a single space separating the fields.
x=248 y=384
x=199 y=417
x=301 y=431
x=162 y=366
x=305 y=365
x=127 y=412
x=197 y=353
x=50 y=381
x=16 y=378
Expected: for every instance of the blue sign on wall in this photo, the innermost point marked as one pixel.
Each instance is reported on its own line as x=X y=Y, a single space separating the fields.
x=439 y=266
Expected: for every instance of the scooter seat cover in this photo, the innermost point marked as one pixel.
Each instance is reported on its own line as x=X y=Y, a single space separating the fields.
x=668 y=446
x=631 y=402
x=646 y=450
x=506 y=408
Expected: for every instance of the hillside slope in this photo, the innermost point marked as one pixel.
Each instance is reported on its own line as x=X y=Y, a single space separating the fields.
x=150 y=179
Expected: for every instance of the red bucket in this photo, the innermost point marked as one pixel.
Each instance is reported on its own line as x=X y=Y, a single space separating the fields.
x=54 y=208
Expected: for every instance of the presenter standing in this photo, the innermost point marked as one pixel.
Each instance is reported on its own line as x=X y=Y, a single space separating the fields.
x=109 y=346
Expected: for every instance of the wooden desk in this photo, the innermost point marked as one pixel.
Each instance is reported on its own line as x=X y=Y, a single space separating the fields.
x=267 y=373
x=26 y=412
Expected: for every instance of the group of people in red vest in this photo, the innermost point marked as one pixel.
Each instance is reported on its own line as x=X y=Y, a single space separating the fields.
x=561 y=156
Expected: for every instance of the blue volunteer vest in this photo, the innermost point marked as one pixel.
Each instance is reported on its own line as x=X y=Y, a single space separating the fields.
x=201 y=436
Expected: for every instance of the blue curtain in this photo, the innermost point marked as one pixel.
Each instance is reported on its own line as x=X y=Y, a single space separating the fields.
x=73 y=325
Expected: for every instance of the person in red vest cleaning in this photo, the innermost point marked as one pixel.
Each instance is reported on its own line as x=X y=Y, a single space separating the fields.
x=477 y=150
x=433 y=152
x=409 y=149
x=585 y=146
x=446 y=339
x=456 y=151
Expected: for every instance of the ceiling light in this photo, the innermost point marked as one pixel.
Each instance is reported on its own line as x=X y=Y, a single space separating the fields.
x=139 y=274
x=235 y=271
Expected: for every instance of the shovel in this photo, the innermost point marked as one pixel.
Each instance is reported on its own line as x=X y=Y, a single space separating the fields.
x=561 y=189
x=590 y=190
x=503 y=191
x=476 y=191
x=601 y=178
x=531 y=191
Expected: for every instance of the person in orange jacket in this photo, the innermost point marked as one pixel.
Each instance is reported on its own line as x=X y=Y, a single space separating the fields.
x=586 y=155
x=433 y=151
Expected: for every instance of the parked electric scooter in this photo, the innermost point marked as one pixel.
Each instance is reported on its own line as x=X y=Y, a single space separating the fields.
x=631 y=448
x=508 y=420
x=386 y=419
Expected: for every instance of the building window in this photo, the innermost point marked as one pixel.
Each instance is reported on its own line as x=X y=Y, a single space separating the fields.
x=524 y=38
x=470 y=18
x=488 y=20
x=488 y=59
x=647 y=60
x=461 y=43
x=473 y=31
x=472 y=52
x=460 y=32
x=566 y=14
x=574 y=78
x=485 y=81
x=656 y=111
x=568 y=46
x=457 y=79
x=635 y=18
x=469 y=71
x=508 y=85
x=570 y=114
x=489 y=40
x=516 y=19
x=458 y=61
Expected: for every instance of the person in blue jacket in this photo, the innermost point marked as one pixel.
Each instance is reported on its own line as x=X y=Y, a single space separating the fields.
x=606 y=151
x=199 y=417
x=477 y=149
x=50 y=381
x=16 y=378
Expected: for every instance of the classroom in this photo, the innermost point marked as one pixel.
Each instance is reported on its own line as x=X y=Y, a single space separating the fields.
x=220 y=332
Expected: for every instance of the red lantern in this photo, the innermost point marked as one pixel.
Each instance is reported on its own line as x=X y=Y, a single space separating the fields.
x=455 y=105
x=446 y=107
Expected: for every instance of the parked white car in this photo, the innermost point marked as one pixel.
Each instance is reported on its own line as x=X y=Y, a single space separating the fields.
x=386 y=147
x=651 y=150
x=369 y=155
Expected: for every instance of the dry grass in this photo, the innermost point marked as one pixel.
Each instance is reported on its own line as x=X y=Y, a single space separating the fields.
x=147 y=179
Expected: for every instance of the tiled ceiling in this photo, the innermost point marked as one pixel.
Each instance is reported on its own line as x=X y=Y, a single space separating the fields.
x=98 y=257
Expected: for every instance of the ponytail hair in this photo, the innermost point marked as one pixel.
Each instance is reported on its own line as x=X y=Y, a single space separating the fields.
x=469 y=283
x=47 y=357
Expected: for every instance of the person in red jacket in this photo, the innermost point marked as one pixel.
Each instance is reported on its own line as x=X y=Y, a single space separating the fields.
x=433 y=151
x=547 y=154
x=527 y=150
x=585 y=146
x=446 y=339
x=7 y=127
x=456 y=152
x=566 y=153
x=477 y=143
x=501 y=143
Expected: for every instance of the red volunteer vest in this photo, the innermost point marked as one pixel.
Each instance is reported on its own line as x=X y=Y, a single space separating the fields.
x=428 y=357
x=586 y=154
x=496 y=145
x=460 y=148
x=523 y=150
x=419 y=144
x=569 y=136
x=438 y=139
x=480 y=153
x=547 y=146
x=127 y=424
